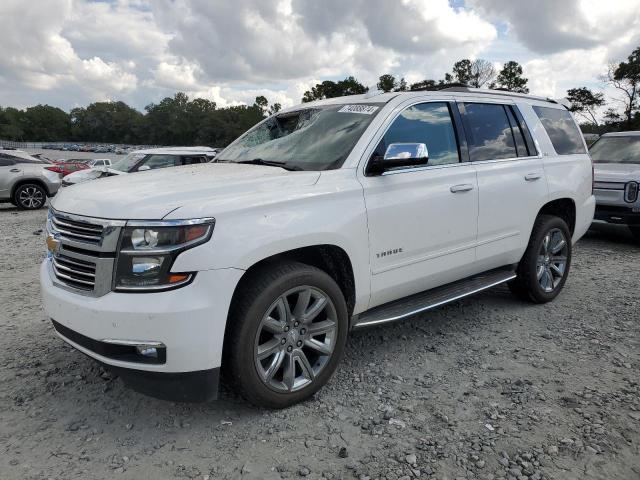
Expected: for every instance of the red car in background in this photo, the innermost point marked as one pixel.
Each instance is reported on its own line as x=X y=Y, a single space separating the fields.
x=65 y=168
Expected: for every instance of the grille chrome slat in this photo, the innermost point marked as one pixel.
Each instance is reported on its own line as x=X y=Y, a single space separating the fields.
x=76 y=263
x=83 y=232
x=66 y=278
x=97 y=229
x=73 y=272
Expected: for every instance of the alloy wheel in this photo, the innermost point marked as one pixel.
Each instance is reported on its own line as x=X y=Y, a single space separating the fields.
x=551 y=266
x=295 y=339
x=31 y=197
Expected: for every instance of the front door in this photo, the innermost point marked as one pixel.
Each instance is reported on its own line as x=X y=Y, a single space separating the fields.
x=422 y=220
x=9 y=173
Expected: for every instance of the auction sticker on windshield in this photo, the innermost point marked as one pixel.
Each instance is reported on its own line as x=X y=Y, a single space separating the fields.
x=364 y=109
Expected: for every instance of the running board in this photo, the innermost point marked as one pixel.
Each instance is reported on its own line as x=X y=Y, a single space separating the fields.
x=423 y=301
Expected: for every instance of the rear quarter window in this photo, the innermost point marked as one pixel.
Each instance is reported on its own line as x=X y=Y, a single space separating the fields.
x=562 y=130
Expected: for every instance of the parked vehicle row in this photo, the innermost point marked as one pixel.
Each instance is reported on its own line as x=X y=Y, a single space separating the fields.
x=334 y=215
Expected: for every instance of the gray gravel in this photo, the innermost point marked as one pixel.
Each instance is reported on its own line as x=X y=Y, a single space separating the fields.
x=487 y=388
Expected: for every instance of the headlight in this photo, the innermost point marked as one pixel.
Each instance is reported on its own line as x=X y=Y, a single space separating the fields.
x=148 y=250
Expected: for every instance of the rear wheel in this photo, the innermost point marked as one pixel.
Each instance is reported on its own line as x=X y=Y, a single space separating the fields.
x=544 y=267
x=635 y=231
x=30 y=196
x=286 y=334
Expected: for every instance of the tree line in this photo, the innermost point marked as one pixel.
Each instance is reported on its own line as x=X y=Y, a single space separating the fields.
x=179 y=120
x=176 y=120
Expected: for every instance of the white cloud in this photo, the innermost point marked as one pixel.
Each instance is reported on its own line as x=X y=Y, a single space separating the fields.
x=72 y=52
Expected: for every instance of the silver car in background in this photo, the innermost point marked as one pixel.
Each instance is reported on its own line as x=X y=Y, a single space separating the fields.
x=25 y=180
x=616 y=158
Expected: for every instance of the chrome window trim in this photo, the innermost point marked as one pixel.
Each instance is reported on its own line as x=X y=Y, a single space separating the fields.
x=171 y=223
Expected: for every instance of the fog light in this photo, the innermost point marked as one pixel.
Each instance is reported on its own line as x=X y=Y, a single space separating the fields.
x=147 y=351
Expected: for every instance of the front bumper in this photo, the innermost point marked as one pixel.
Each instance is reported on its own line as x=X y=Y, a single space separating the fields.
x=618 y=215
x=189 y=321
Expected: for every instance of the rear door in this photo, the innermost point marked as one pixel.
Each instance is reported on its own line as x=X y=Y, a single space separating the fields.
x=511 y=180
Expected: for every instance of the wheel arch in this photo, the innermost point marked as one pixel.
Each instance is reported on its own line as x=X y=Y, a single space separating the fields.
x=329 y=258
x=564 y=208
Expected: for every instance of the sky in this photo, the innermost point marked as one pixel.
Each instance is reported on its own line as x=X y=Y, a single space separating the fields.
x=69 y=53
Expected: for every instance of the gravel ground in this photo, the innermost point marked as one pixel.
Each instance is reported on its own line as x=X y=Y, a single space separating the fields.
x=486 y=388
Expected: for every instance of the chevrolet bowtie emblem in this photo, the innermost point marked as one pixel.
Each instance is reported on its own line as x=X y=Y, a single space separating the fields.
x=53 y=245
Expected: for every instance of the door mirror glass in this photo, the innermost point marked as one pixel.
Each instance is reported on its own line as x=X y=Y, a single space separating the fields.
x=406 y=151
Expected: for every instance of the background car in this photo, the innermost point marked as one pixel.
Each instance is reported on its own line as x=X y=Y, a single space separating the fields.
x=25 y=180
x=616 y=158
x=65 y=168
x=142 y=160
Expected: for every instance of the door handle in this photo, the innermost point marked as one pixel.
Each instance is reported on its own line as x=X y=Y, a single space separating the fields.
x=463 y=187
x=530 y=177
x=15 y=170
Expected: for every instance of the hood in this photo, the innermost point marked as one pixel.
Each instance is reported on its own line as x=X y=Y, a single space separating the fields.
x=194 y=189
x=617 y=172
x=89 y=174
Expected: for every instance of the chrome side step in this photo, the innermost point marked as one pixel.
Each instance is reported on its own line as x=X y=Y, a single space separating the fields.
x=423 y=301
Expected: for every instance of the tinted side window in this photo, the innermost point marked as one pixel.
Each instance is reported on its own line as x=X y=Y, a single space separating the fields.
x=192 y=160
x=488 y=132
x=160 y=161
x=5 y=162
x=562 y=130
x=428 y=123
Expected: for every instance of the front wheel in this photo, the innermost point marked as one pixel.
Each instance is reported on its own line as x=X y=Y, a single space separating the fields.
x=544 y=267
x=286 y=334
x=29 y=196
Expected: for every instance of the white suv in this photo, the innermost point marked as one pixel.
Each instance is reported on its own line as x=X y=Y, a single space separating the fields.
x=329 y=216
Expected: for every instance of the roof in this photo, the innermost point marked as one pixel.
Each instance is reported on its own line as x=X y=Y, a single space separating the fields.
x=178 y=150
x=376 y=96
x=632 y=133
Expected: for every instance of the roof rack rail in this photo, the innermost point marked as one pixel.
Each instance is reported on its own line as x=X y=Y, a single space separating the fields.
x=496 y=91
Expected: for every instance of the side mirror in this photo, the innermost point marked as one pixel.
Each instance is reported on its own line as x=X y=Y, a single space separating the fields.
x=144 y=168
x=399 y=155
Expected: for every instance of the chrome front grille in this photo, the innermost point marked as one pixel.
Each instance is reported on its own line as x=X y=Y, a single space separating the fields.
x=79 y=274
x=85 y=249
x=78 y=231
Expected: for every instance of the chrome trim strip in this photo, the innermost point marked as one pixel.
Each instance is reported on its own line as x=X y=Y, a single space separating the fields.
x=437 y=304
x=170 y=223
x=155 y=288
x=74 y=272
x=105 y=222
x=134 y=343
x=97 y=229
x=71 y=279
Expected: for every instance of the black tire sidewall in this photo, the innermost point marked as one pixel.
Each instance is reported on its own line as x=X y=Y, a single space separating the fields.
x=528 y=268
x=16 y=196
x=249 y=319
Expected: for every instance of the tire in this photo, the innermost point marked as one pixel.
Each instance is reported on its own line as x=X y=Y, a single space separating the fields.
x=635 y=231
x=30 y=196
x=260 y=322
x=539 y=278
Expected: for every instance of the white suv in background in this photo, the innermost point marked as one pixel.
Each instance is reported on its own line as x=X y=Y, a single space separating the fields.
x=616 y=158
x=329 y=216
x=141 y=161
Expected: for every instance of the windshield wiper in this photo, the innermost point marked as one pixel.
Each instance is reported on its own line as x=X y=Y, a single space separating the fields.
x=270 y=163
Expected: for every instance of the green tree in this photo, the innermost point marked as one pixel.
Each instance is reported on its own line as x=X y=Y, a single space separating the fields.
x=423 y=85
x=106 y=122
x=275 y=108
x=402 y=85
x=11 y=124
x=625 y=77
x=330 y=89
x=482 y=73
x=510 y=78
x=462 y=71
x=45 y=123
x=585 y=103
x=387 y=82
x=262 y=103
